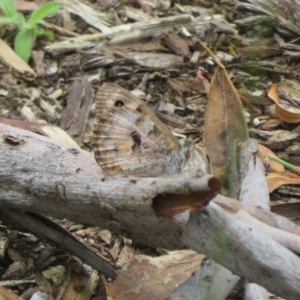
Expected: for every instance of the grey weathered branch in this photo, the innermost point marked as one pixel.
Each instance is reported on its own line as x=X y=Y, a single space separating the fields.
x=43 y=176
x=135 y=32
x=252 y=174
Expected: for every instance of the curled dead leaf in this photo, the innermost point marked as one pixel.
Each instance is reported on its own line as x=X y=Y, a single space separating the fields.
x=275 y=180
x=284 y=112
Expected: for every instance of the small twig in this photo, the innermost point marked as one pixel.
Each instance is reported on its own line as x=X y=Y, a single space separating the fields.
x=255 y=111
x=100 y=247
x=58 y=29
x=214 y=58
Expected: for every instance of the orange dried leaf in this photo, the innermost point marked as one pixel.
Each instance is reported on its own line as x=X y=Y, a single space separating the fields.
x=272 y=165
x=287 y=114
x=275 y=180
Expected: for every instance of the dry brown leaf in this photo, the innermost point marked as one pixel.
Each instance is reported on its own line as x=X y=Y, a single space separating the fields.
x=285 y=113
x=6 y=294
x=275 y=180
x=145 y=277
x=224 y=121
x=12 y=60
x=53 y=132
x=74 y=117
x=177 y=44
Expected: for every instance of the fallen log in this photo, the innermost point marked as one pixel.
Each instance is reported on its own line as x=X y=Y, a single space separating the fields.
x=42 y=176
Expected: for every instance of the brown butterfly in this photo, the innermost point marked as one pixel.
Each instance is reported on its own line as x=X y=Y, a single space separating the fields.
x=129 y=139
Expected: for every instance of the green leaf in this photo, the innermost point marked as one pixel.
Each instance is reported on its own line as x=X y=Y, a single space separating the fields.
x=42 y=12
x=23 y=44
x=9 y=20
x=8 y=7
x=23 y=26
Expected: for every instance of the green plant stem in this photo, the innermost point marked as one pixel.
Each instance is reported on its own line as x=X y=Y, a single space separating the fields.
x=284 y=163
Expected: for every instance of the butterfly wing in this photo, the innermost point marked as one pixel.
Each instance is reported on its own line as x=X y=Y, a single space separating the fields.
x=129 y=139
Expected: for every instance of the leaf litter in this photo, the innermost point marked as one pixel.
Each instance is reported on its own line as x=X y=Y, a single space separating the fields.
x=161 y=60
